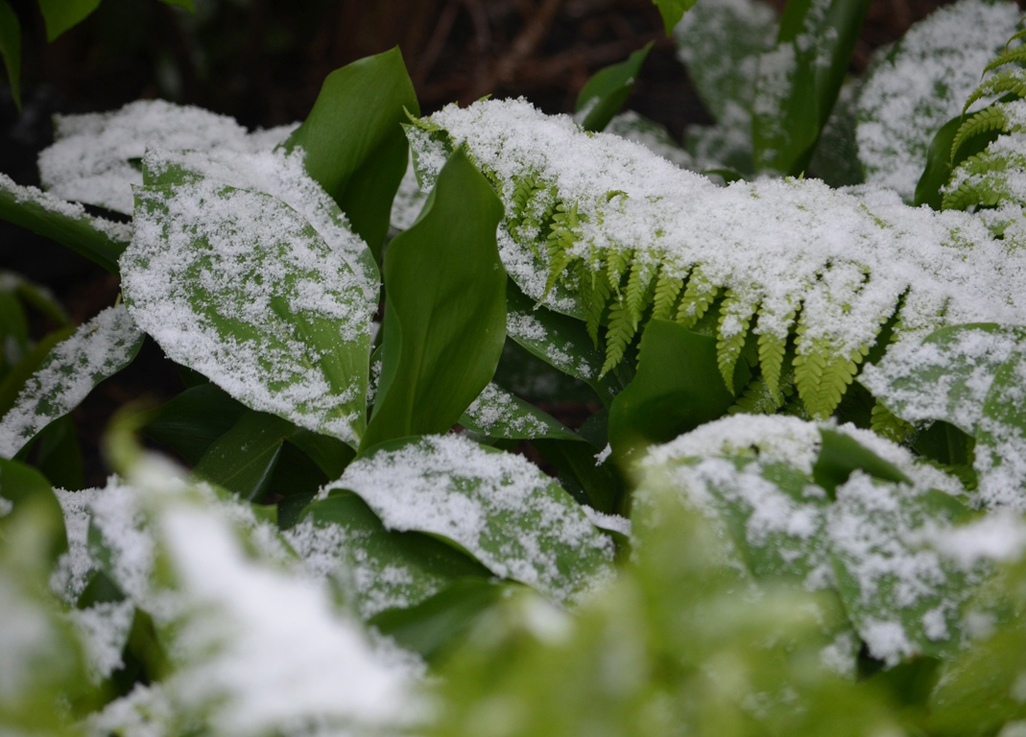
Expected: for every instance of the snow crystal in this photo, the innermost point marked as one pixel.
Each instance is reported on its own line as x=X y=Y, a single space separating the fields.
x=496 y=409
x=496 y=505
x=97 y=350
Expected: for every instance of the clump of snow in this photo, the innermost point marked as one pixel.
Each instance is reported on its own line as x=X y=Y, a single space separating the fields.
x=103 y=629
x=923 y=84
x=94 y=157
x=97 y=350
x=497 y=506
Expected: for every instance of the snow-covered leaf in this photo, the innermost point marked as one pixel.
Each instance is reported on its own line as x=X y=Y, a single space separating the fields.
x=97 y=350
x=497 y=506
x=922 y=84
x=497 y=413
x=243 y=269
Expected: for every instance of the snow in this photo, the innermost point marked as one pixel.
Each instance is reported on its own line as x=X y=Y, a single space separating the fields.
x=250 y=286
x=92 y=158
x=97 y=350
x=845 y=257
x=923 y=84
x=497 y=506
x=121 y=232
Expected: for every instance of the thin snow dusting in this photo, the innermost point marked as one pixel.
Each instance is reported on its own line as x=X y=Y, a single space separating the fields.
x=923 y=84
x=499 y=412
x=97 y=350
x=253 y=292
x=94 y=159
x=497 y=506
x=844 y=257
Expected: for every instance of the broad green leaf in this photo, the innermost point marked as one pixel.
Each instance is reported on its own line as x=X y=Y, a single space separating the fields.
x=434 y=627
x=840 y=455
x=60 y=15
x=19 y=374
x=25 y=493
x=56 y=453
x=677 y=388
x=329 y=454
x=581 y=473
x=243 y=459
x=379 y=568
x=270 y=301
x=672 y=11
x=97 y=350
x=799 y=80
x=190 y=422
x=938 y=165
x=497 y=413
x=921 y=85
x=445 y=309
x=101 y=241
x=354 y=143
x=605 y=93
x=10 y=49
x=559 y=340
x=498 y=507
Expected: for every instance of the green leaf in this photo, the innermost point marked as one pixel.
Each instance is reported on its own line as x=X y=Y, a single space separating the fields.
x=559 y=340
x=29 y=494
x=938 y=165
x=354 y=142
x=97 y=350
x=10 y=49
x=60 y=15
x=286 y=330
x=677 y=388
x=605 y=93
x=672 y=11
x=435 y=626
x=445 y=309
x=56 y=453
x=191 y=421
x=99 y=240
x=497 y=506
x=800 y=80
x=497 y=413
x=840 y=454
x=243 y=459
x=380 y=568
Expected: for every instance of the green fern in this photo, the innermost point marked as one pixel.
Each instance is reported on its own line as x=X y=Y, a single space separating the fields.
x=667 y=289
x=988 y=120
x=699 y=294
x=622 y=329
x=732 y=330
x=822 y=375
x=887 y=424
x=1008 y=81
x=772 y=350
x=1013 y=55
x=565 y=233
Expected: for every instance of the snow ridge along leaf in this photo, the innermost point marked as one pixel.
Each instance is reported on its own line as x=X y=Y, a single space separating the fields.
x=254 y=280
x=599 y=228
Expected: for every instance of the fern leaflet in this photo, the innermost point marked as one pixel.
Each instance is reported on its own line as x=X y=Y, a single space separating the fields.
x=699 y=294
x=732 y=329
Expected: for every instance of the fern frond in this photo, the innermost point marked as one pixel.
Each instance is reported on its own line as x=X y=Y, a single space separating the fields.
x=731 y=330
x=640 y=285
x=699 y=294
x=887 y=424
x=1007 y=81
x=771 y=360
x=758 y=399
x=667 y=289
x=595 y=295
x=822 y=374
x=621 y=331
x=617 y=262
x=989 y=119
x=564 y=235
x=982 y=181
x=1014 y=55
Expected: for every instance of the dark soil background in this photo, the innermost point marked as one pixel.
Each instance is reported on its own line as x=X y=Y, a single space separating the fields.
x=262 y=62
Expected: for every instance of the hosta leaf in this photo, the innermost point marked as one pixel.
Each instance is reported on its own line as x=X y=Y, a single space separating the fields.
x=271 y=305
x=922 y=84
x=497 y=413
x=445 y=310
x=672 y=11
x=678 y=387
x=101 y=241
x=496 y=506
x=361 y=170
x=97 y=350
x=243 y=459
x=191 y=421
x=381 y=569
